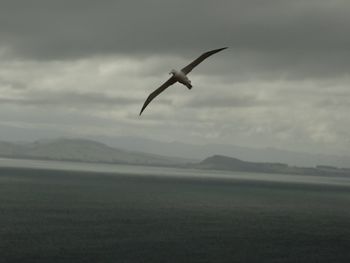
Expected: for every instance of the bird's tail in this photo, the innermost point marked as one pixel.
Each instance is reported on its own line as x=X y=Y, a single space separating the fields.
x=189 y=86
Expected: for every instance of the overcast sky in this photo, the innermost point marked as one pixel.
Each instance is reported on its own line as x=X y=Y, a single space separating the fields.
x=84 y=68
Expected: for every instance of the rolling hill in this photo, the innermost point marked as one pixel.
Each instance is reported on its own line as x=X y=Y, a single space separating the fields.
x=82 y=150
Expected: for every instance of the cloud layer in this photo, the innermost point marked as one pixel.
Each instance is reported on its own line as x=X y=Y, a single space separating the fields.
x=85 y=68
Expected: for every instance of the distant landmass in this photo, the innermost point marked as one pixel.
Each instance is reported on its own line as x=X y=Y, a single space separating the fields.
x=219 y=162
x=201 y=151
x=82 y=150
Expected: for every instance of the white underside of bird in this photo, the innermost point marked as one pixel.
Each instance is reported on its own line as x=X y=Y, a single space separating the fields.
x=179 y=76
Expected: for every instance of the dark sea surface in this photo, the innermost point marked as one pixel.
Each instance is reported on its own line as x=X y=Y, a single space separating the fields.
x=99 y=213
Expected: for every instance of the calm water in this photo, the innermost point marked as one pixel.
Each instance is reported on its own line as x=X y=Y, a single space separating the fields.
x=74 y=212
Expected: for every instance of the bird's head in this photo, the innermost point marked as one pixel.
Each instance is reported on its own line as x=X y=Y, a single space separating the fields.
x=173 y=71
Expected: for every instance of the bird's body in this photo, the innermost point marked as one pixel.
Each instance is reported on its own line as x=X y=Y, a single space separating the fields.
x=179 y=76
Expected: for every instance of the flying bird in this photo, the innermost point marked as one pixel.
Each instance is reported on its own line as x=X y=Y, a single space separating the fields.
x=180 y=76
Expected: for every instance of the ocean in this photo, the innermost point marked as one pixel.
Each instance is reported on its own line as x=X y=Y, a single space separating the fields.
x=76 y=212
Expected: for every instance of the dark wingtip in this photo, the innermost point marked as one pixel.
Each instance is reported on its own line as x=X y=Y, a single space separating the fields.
x=219 y=49
x=141 y=111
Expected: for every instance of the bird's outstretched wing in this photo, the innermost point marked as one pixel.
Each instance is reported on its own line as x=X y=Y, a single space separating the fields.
x=198 y=60
x=155 y=93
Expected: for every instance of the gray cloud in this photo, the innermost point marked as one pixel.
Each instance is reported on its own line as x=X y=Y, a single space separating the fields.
x=307 y=37
x=72 y=99
x=225 y=101
x=84 y=65
x=8 y=84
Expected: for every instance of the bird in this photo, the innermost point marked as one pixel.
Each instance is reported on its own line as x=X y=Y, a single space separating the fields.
x=180 y=76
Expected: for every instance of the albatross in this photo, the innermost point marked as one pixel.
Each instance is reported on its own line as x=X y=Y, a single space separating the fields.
x=180 y=76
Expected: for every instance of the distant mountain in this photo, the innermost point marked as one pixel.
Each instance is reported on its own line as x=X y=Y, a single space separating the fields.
x=228 y=163
x=82 y=150
x=199 y=152
x=219 y=162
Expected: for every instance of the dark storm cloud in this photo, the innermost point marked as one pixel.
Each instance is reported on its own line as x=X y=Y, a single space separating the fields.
x=51 y=29
x=299 y=38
